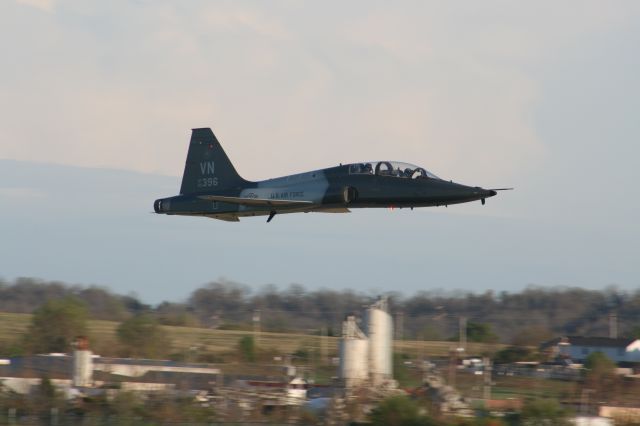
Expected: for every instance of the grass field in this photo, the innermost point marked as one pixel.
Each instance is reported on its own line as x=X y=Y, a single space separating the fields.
x=103 y=338
x=12 y=325
x=506 y=387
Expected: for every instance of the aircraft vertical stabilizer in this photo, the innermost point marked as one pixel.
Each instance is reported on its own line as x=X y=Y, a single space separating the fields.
x=208 y=168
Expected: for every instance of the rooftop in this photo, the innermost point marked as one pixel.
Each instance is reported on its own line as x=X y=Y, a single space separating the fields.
x=601 y=342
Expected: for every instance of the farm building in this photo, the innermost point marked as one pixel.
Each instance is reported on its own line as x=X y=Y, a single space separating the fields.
x=578 y=348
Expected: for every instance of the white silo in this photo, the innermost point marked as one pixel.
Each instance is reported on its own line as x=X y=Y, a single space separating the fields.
x=354 y=354
x=380 y=332
x=82 y=363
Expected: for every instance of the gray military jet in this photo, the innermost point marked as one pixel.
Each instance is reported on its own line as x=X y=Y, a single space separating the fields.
x=211 y=187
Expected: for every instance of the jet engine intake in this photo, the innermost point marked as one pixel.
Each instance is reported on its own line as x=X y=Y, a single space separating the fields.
x=349 y=194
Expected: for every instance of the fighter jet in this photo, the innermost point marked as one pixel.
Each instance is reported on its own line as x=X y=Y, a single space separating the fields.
x=211 y=187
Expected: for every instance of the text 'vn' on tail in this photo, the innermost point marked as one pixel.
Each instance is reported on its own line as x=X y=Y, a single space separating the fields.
x=208 y=168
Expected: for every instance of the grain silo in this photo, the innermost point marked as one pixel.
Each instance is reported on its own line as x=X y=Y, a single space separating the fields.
x=380 y=333
x=354 y=354
x=82 y=363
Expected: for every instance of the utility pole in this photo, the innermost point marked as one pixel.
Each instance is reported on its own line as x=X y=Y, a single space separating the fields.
x=256 y=326
x=324 y=348
x=399 y=330
x=613 y=325
x=455 y=352
x=453 y=365
x=463 y=333
x=422 y=360
x=486 y=361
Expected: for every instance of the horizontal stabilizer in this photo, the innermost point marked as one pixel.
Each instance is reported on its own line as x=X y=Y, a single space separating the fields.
x=254 y=201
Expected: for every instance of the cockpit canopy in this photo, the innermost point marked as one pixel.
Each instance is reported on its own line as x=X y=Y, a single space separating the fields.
x=391 y=168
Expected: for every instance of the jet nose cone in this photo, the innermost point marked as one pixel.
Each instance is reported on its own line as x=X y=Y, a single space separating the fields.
x=485 y=193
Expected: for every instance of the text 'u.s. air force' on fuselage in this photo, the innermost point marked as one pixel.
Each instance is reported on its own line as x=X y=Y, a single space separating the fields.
x=211 y=187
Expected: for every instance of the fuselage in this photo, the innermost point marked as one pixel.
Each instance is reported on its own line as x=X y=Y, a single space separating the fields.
x=212 y=187
x=333 y=189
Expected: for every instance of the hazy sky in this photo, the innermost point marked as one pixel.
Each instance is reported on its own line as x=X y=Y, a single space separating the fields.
x=543 y=96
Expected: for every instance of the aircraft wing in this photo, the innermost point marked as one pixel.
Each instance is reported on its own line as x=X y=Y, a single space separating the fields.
x=254 y=201
x=332 y=210
x=226 y=217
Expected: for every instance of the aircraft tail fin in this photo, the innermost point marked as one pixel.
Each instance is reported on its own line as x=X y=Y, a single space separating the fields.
x=207 y=167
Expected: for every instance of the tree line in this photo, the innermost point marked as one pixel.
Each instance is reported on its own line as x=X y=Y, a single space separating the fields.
x=526 y=317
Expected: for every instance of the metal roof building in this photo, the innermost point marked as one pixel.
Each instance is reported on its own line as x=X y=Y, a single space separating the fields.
x=578 y=348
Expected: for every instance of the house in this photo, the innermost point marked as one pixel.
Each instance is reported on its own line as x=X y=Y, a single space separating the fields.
x=578 y=348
